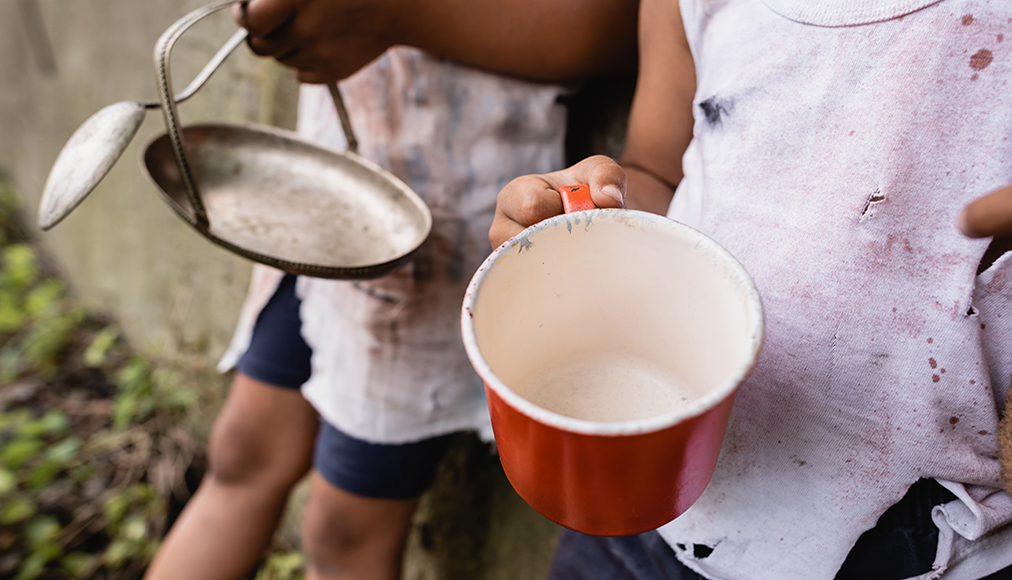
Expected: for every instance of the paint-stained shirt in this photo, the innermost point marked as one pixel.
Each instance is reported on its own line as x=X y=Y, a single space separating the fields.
x=388 y=364
x=835 y=142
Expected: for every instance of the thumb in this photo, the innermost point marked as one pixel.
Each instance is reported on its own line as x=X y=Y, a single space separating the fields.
x=606 y=178
x=261 y=17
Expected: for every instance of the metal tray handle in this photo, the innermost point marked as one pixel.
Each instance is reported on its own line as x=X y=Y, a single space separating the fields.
x=163 y=49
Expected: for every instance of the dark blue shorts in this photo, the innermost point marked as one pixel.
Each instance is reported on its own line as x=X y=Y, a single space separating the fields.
x=901 y=545
x=278 y=355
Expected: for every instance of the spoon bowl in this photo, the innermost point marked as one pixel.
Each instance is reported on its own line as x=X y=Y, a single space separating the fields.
x=99 y=142
x=87 y=157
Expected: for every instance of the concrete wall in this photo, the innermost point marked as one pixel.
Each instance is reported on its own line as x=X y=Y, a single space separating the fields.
x=122 y=248
x=127 y=254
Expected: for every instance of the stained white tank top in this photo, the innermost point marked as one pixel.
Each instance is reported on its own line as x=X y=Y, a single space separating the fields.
x=388 y=362
x=834 y=145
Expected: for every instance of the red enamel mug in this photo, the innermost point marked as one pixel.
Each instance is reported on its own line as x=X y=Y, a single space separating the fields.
x=611 y=343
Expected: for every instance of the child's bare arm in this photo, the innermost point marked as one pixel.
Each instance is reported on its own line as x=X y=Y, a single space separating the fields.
x=660 y=127
x=328 y=40
x=660 y=122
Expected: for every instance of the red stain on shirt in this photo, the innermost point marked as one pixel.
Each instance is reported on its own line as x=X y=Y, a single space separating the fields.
x=967 y=19
x=981 y=59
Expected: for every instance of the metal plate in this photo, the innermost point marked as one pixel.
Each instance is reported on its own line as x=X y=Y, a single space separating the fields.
x=283 y=201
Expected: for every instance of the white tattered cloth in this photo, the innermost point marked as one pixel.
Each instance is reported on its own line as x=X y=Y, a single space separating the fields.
x=388 y=364
x=834 y=145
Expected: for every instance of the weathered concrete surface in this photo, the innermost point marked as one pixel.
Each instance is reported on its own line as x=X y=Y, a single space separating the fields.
x=124 y=251
x=473 y=525
x=127 y=254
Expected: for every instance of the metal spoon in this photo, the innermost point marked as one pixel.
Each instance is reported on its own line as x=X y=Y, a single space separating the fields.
x=97 y=144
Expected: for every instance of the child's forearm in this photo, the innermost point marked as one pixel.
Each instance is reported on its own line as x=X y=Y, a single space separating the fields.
x=557 y=40
x=540 y=39
x=660 y=122
x=647 y=192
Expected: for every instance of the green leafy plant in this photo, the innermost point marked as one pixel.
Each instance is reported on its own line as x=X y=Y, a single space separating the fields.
x=84 y=424
x=283 y=566
x=94 y=439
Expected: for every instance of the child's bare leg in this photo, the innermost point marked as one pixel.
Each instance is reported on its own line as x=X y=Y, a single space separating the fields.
x=261 y=445
x=348 y=536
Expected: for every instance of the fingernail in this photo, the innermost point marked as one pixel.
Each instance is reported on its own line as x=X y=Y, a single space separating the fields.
x=964 y=226
x=612 y=192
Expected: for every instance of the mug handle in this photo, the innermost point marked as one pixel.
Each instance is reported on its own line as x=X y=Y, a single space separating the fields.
x=576 y=198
